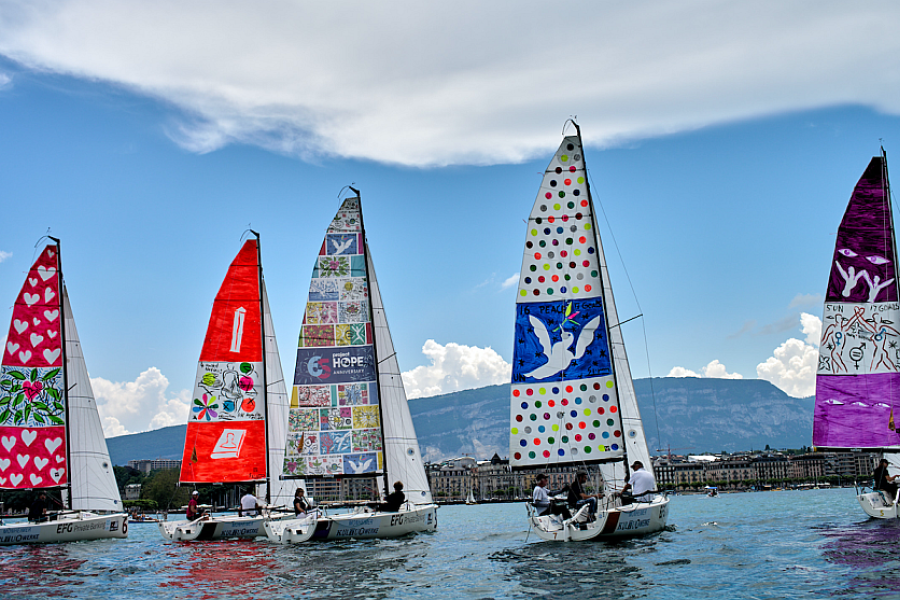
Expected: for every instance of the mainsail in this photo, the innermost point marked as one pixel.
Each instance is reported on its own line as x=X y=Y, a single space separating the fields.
x=335 y=425
x=857 y=381
x=570 y=378
x=33 y=398
x=226 y=433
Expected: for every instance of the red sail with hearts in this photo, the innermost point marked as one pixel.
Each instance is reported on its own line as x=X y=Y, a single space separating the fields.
x=226 y=434
x=33 y=449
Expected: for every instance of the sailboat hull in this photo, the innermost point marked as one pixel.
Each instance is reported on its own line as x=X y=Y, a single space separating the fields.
x=67 y=528
x=290 y=531
x=364 y=525
x=877 y=506
x=633 y=520
x=213 y=528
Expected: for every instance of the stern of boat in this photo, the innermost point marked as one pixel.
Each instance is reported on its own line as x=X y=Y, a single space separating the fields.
x=876 y=505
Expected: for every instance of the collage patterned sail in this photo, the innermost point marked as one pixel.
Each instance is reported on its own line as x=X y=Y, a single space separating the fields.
x=335 y=422
x=564 y=398
x=226 y=434
x=858 y=376
x=33 y=448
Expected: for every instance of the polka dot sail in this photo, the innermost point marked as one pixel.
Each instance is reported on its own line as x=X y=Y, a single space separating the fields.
x=564 y=405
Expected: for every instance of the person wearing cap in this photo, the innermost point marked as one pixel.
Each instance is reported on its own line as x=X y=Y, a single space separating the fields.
x=193 y=510
x=578 y=497
x=641 y=484
x=540 y=499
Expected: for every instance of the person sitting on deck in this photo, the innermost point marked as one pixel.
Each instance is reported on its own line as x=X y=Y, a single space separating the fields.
x=639 y=487
x=541 y=500
x=578 y=497
x=37 y=512
x=884 y=481
x=193 y=509
x=301 y=503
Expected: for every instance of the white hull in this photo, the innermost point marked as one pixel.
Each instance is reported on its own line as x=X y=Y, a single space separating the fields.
x=212 y=528
x=290 y=531
x=633 y=520
x=876 y=505
x=366 y=525
x=67 y=528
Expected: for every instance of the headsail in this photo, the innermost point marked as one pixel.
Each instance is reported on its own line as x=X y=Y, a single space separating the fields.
x=565 y=398
x=335 y=423
x=857 y=381
x=226 y=434
x=33 y=415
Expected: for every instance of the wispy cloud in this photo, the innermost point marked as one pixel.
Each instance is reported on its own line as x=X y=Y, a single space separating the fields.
x=5 y=255
x=510 y=281
x=748 y=326
x=5 y=80
x=780 y=326
x=467 y=74
x=806 y=301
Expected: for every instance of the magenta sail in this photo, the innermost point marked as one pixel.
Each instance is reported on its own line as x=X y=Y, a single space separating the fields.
x=858 y=376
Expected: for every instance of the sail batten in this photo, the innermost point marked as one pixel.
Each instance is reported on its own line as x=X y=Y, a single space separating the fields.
x=565 y=392
x=858 y=375
x=226 y=434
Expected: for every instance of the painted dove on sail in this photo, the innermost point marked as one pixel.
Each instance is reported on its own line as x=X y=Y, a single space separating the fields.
x=857 y=380
x=226 y=434
x=335 y=422
x=33 y=450
x=564 y=404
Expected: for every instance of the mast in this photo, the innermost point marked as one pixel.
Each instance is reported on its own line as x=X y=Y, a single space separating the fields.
x=265 y=382
x=612 y=360
x=362 y=227
x=65 y=371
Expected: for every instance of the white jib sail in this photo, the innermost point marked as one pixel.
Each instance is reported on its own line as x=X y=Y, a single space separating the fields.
x=279 y=405
x=401 y=446
x=92 y=477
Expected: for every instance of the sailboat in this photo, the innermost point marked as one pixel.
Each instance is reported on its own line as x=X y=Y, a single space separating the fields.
x=50 y=432
x=572 y=399
x=858 y=376
x=470 y=497
x=349 y=416
x=227 y=439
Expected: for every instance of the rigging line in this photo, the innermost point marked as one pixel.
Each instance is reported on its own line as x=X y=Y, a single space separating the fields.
x=627 y=320
x=636 y=301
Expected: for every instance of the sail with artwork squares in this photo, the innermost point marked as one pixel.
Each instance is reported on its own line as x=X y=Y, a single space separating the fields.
x=572 y=398
x=858 y=375
x=50 y=433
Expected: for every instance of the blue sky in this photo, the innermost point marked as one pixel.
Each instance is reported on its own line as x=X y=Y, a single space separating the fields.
x=723 y=145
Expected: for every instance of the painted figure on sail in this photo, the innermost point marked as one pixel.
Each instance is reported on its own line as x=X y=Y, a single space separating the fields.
x=564 y=398
x=32 y=388
x=334 y=423
x=858 y=384
x=226 y=427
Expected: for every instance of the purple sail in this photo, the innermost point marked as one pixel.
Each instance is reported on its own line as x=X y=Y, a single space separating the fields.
x=858 y=375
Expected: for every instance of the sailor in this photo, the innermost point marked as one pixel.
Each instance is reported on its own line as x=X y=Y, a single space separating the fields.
x=641 y=485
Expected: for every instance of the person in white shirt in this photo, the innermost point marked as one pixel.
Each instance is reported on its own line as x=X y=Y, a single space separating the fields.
x=249 y=504
x=541 y=500
x=641 y=484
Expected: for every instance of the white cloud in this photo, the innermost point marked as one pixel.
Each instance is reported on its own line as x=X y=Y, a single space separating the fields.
x=714 y=370
x=455 y=367
x=3 y=255
x=479 y=83
x=792 y=366
x=139 y=405
x=5 y=80
x=806 y=300
x=510 y=281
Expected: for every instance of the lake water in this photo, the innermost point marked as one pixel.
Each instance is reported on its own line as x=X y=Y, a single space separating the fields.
x=812 y=544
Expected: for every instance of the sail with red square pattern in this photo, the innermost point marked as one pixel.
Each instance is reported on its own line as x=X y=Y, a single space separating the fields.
x=33 y=450
x=226 y=434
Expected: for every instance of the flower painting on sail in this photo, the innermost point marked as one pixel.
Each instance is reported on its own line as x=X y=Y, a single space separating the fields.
x=226 y=425
x=32 y=390
x=858 y=375
x=335 y=423
x=564 y=404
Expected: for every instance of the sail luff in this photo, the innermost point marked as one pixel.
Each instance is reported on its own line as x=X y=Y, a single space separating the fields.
x=858 y=375
x=60 y=285
x=403 y=458
x=265 y=385
x=93 y=484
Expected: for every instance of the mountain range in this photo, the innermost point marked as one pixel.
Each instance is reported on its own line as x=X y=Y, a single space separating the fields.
x=687 y=414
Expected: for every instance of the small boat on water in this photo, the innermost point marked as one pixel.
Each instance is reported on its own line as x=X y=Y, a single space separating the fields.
x=349 y=416
x=50 y=432
x=858 y=375
x=470 y=497
x=227 y=438
x=572 y=396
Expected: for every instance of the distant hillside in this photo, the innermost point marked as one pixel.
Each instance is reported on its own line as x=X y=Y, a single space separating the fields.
x=702 y=414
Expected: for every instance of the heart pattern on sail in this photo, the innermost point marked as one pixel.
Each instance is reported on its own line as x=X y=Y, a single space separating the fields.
x=30 y=467
x=32 y=389
x=28 y=436
x=16 y=479
x=8 y=442
x=46 y=272
x=36 y=321
x=36 y=340
x=31 y=299
x=56 y=474
x=23 y=459
x=35 y=479
x=40 y=463
x=51 y=315
x=11 y=347
x=33 y=281
x=52 y=445
x=20 y=326
x=4 y=464
x=51 y=355
x=25 y=356
x=52 y=333
x=49 y=295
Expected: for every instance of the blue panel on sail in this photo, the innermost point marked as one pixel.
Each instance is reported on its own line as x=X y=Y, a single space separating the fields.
x=334 y=365
x=562 y=340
